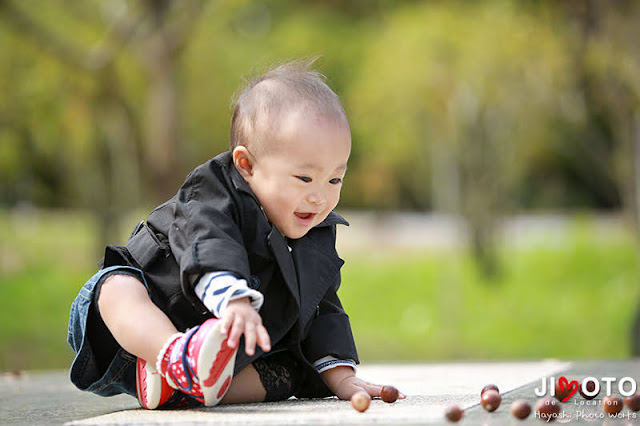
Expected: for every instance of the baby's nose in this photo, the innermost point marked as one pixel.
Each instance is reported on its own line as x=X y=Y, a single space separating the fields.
x=316 y=197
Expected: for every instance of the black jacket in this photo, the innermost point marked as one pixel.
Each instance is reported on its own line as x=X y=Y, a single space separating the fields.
x=215 y=223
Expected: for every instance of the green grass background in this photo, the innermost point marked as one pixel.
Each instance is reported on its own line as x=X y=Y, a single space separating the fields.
x=570 y=300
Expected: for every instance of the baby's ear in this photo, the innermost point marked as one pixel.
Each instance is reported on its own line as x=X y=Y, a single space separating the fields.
x=243 y=161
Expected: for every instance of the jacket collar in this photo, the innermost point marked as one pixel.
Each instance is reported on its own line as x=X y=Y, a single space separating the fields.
x=333 y=219
x=238 y=181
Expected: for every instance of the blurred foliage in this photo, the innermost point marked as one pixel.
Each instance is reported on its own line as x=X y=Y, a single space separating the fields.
x=531 y=101
x=571 y=301
x=479 y=81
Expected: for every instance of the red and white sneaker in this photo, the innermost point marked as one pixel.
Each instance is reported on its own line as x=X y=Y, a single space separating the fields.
x=153 y=390
x=199 y=362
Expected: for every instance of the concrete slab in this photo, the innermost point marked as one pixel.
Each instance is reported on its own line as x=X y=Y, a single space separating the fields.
x=48 y=398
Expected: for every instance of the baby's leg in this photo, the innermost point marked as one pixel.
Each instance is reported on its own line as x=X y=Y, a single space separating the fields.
x=245 y=387
x=136 y=323
x=274 y=377
x=142 y=329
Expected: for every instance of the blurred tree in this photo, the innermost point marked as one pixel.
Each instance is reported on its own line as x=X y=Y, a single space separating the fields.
x=161 y=29
x=459 y=94
x=608 y=61
x=472 y=109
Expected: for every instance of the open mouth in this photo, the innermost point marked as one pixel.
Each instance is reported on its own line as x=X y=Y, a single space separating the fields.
x=305 y=216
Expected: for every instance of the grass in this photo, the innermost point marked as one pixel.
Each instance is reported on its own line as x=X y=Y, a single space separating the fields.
x=573 y=301
x=45 y=257
x=570 y=300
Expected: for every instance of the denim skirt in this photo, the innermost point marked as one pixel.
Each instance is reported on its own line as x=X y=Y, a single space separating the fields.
x=100 y=365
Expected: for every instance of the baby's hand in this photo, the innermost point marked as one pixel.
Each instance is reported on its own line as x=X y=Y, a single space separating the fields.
x=347 y=387
x=240 y=318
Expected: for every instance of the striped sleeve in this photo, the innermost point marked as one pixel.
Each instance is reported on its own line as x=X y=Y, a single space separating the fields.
x=217 y=289
x=329 y=362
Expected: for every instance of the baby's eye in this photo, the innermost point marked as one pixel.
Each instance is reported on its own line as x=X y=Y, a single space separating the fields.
x=335 y=181
x=306 y=179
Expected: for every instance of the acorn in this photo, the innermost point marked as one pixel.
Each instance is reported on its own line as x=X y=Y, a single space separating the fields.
x=490 y=400
x=560 y=393
x=633 y=402
x=389 y=394
x=360 y=401
x=453 y=413
x=489 y=387
x=591 y=386
x=548 y=408
x=520 y=409
x=612 y=405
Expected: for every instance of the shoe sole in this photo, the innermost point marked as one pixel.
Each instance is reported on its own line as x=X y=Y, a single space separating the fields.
x=151 y=393
x=217 y=359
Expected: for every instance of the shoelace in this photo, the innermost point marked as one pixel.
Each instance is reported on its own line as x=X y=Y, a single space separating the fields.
x=186 y=367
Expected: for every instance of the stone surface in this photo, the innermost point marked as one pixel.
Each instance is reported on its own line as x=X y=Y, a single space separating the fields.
x=49 y=398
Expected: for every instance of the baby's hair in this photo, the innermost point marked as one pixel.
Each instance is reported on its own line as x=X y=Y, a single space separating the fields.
x=263 y=101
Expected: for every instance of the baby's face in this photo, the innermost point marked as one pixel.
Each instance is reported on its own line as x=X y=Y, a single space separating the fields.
x=298 y=181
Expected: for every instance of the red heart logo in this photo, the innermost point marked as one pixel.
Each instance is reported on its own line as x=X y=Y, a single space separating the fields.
x=566 y=386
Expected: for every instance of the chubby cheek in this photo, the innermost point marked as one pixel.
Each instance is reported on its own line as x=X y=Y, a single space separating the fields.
x=332 y=202
x=281 y=199
x=289 y=200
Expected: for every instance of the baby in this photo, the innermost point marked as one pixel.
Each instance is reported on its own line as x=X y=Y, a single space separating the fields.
x=228 y=292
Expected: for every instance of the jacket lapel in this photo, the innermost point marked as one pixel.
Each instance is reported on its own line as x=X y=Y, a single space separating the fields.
x=317 y=269
x=281 y=252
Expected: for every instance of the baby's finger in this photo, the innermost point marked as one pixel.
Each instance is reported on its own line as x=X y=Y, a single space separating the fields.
x=264 y=341
x=226 y=322
x=249 y=338
x=236 y=331
x=352 y=390
x=373 y=390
